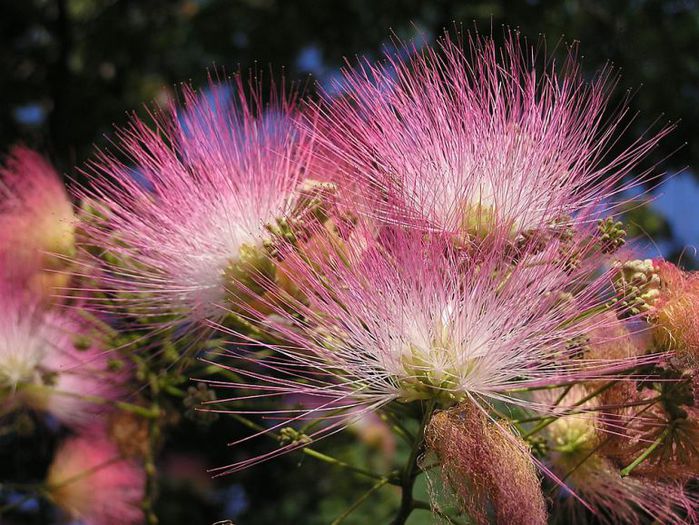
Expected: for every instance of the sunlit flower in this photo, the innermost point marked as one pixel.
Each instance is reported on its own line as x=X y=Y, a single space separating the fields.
x=405 y=318
x=193 y=204
x=92 y=483
x=470 y=138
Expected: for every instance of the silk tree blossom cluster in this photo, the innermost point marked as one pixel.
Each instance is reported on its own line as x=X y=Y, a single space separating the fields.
x=481 y=267
x=432 y=252
x=397 y=317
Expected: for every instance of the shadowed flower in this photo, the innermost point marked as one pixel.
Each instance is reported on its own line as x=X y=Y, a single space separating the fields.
x=52 y=361
x=576 y=445
x=91 y=482
x=471 y=138
x=37 y=225
x=676 y=312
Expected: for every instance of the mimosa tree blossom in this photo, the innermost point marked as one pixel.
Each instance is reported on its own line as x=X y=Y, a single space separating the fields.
x=399 y=317
x=469 y=137
x=52 y=361
x=37 y=223
x=193 y=204
x=91 y=482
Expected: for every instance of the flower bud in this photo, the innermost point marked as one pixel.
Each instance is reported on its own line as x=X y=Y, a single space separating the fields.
x=676 y=318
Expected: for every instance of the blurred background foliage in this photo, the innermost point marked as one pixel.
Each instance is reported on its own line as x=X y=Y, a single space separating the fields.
x=72 y=69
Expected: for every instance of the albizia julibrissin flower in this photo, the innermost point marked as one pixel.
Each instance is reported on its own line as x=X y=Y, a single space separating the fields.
x=52 y=360
x=576 y=443
x=402 y=317
x=91 y=482
x=37 y=223
x=470 y=137
x=675 y=312
x=188 y=204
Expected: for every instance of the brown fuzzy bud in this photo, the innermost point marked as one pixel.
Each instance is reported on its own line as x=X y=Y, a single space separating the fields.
x=491 y=473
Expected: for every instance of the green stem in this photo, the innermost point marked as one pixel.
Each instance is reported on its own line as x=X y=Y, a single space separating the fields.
x=423 y=505
x=411 y=470
x=359 y=501
x=97 y=400
x=341 y=464
x=319 y=455
x=150 y=494
x=647 y=452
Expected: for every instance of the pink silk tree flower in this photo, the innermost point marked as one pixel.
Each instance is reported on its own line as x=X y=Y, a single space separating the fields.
x=37 y=223
x=91 y=482
x=675 y=315
x=467 y=138
x=576 y=453
x=188 y=204
x=52 y=361
x=402 y=317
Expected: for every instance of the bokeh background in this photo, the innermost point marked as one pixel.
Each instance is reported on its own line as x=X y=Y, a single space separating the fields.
x=70 y=70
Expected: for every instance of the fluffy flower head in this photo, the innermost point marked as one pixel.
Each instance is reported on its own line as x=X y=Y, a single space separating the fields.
x=400 y=317
x=196 y=196
x=577 y=445
x=50 y=360
x=470 y=137
x=92 y=483
x=37 y=223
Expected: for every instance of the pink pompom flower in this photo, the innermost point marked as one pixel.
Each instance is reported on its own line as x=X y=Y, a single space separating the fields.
x=401 y=317
x=53 y=361
x=91 y=482
x=190 y=202
x=37 y=223
x=469 y=137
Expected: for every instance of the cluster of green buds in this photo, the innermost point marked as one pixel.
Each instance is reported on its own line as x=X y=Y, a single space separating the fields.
x=289 y=436
x=246 y=274
x=315 y=200
x=612 y=234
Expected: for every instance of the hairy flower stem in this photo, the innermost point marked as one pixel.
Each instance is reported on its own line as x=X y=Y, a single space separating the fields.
x=97 y=400
x=411 y=470
x=379 y=484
